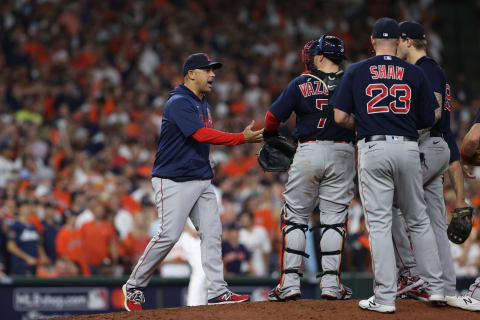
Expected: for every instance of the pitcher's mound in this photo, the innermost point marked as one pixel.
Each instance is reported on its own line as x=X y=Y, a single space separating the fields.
x=296 y=310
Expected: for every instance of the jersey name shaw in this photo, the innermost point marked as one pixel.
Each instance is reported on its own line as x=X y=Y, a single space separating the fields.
x=382 y=71
x=317 y=87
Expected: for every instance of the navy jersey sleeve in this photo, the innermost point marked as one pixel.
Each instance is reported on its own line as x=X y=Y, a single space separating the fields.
x=343 y=95
x=185 y=115
x=452 y=145
x=283 y=106
x=426 y=103
x=434 y=77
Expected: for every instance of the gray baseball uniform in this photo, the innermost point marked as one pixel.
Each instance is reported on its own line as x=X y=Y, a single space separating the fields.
x=437 y=156
x=436 y=159
x=474 y=290
x=320 y=170
x=323 y=168
x=387 y=169
x=388 y=108
x=176 y=201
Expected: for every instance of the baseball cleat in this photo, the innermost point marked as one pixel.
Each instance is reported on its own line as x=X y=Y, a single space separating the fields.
x=406 y=283
x=229 y=297
x=133 y=298
x=344 y=294
x=371 y=305
x=437 y=299
x=464 y=302
x=277 y=295
x=419 y=293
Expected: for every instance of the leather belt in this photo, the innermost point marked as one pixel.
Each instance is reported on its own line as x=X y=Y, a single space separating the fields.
x=334 y=141
x=381 y=137
x=436 y=135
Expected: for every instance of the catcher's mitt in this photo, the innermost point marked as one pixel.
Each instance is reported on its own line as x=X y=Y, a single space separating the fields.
x=276 y=154
x=460 y=225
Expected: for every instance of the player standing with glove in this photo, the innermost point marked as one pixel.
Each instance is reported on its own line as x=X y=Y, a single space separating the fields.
x=389 y=100
x=439 y=148
x=181 y=179
x=323 y=168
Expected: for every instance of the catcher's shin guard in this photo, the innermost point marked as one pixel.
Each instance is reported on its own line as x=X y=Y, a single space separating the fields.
x=331 y=250
x=293 y=249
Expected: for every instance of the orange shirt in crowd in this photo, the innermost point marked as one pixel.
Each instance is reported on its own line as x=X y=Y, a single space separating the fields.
x=69 y=244
x=234 y=169
x=130 y=204
x=264 y=218
x=133 y=247
x=96 y=237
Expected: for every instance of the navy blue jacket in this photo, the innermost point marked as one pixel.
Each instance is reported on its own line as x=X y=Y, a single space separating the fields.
x=180 y=157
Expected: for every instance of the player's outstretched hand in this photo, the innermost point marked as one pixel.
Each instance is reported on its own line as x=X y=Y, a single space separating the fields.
x=252 y=136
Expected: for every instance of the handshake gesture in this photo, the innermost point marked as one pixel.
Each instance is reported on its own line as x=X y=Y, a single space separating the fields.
x=251 y=136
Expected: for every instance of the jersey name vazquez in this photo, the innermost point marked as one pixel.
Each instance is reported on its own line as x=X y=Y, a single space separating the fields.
x=308 y=89
x=382 y=71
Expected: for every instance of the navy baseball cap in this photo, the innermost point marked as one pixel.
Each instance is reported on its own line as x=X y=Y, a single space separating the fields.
x=412 y=30
x=199 y=61
x=386 y=28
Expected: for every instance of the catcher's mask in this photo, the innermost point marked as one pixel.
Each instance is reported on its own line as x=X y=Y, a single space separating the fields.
x=330 y=46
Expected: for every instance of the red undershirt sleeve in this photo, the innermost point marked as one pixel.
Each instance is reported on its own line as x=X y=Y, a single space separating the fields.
x=212 y=136
x=271 y=122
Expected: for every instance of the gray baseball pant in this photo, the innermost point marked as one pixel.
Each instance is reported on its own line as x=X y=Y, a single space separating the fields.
x=391 y=170
x=474 y=290
x=320 y=170
x=176 y=201
x=437 y=155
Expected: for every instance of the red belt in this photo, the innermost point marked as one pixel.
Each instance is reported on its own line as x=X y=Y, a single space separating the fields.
x=334 y=141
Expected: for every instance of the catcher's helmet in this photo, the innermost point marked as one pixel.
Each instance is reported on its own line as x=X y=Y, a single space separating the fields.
x=330 y=46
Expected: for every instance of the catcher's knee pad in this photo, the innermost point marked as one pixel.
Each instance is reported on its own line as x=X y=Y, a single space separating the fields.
x=335 y=238
x=293 y=243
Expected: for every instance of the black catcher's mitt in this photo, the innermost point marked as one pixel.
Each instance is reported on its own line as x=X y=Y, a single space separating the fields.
x=460 y=225
x=276 y=154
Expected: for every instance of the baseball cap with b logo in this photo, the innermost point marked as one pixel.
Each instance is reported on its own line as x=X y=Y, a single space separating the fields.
x=199 y=61
x=386 y=28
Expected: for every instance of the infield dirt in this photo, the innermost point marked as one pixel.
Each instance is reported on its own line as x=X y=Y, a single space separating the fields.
x=296 y=310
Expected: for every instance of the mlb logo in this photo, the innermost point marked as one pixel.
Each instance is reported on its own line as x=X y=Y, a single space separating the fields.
x=385 y=34
x=395 y=138
x=387 y=58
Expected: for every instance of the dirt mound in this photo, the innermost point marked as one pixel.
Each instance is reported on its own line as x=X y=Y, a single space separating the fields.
x=297 y=310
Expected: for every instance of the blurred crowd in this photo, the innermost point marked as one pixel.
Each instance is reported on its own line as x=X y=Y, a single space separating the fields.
x=82 y=88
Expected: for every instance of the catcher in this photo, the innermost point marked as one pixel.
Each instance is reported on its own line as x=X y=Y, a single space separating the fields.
x=322 y=168
x=461 y=225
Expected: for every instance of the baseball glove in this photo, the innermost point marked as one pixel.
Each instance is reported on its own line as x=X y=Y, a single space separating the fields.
x=460 y=225
x=276 y=154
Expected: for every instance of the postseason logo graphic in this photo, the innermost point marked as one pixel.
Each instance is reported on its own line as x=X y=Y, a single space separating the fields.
x=60 y=299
